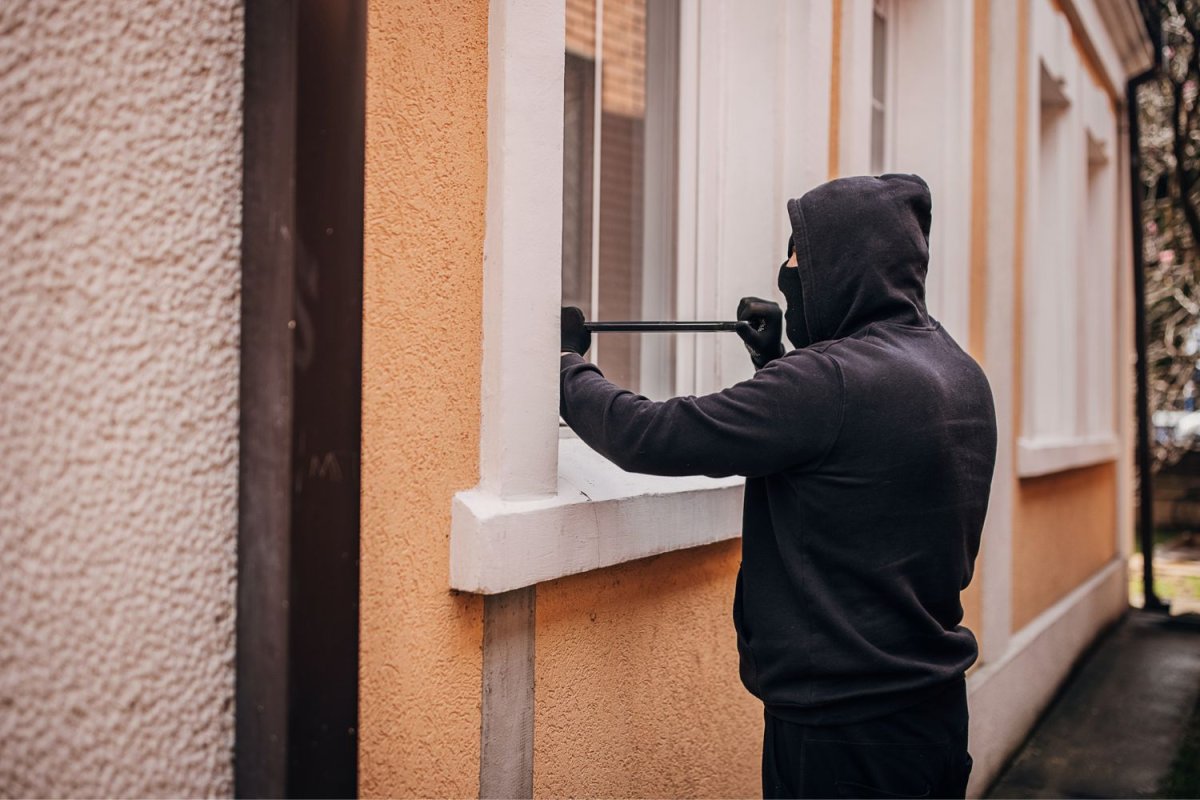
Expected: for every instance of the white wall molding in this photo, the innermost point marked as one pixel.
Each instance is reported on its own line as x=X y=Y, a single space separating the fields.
x=1126 y=351
x=1114 y=31
x=757 y=136
x=930 y=120
x=600 y=516
x=1007 y=696
x=522 y=279
x=1123 y=21
x=1045 y=455
x=999 y=320
x=854 y=124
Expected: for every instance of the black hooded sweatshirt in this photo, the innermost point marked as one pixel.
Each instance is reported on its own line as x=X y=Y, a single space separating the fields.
x=868 y=454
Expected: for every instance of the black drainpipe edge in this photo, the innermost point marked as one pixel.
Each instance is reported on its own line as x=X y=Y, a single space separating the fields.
x=1145 y=469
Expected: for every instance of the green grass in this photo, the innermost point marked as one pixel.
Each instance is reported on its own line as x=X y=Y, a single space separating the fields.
x=1182 y=587
x=1167 y=587
x=1161 y=536
x=1184 y=778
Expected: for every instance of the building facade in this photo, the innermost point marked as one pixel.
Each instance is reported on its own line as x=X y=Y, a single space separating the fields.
x=525 y=618
x=587 y=648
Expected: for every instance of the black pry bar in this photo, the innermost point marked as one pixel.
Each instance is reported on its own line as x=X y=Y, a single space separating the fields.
x=659 y=327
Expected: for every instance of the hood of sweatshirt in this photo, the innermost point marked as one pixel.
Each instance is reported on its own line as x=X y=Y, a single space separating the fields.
x=862 y=247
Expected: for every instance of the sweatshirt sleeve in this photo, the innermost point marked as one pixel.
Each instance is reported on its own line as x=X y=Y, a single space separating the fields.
x=787 y=416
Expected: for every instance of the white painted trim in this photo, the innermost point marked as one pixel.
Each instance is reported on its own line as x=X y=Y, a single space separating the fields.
x=764 y=88
x=854 y=138
x=929 y=132
x=709 y=176
x=1105 y=41
x=806 y=51
x=999 y=324
x=601 y=516
x=597 y=164
x=1045 y=455
x=522 y=283
x=1123 y=21
x=1007 y=696
x=1126 y=351
x=1098 y=35
x=686 y=218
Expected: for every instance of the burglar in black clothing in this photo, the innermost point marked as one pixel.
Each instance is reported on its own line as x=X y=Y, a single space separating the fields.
x=868 y=454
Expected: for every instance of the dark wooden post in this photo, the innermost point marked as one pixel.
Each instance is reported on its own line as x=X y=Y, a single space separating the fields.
x=301 y=385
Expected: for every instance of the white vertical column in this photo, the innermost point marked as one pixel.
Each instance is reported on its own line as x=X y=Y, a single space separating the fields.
x=522 y=275
x=1003 y=206
x=1125 y=357
x=686 y=232
x=597 y=164
x=854 y=137
x=931 y=135
x=805 y=53
x=712 y=121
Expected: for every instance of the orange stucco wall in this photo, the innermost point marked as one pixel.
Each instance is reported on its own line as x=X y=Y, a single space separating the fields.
x=972 y=602
x=426 y=165
x=637 y=682
x=1064 y=530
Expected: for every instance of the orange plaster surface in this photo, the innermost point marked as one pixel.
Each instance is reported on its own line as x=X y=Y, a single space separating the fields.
x=835 y=93
x=426 y=175
x=972 y=602
x=1063 y=532
x=638 y=692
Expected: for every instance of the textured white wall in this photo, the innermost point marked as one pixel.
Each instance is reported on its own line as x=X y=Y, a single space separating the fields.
x=120 y=170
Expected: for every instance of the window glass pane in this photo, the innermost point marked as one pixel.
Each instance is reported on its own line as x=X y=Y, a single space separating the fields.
x=877 y=123
x=630 y=241
x=578 y=104
x=878 y=56
x=878 y=90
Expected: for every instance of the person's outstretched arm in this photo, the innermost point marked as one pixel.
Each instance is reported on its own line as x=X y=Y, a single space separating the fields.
x=787 y=416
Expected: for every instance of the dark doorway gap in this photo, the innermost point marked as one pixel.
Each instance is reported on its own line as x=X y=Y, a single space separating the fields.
x=301 y=382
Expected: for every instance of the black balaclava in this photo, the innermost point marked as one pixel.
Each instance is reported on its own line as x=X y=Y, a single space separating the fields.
x=789 y=284
x=862 y=249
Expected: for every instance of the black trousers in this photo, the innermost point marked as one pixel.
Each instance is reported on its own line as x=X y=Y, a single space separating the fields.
x=920 y=751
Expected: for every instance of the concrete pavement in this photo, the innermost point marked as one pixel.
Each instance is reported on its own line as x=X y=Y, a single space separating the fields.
x=1116 y=725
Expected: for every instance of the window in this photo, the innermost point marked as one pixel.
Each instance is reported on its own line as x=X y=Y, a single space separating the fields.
x=620 y=145
x=1099 y=299
x=1068 y=378
x=684 y=128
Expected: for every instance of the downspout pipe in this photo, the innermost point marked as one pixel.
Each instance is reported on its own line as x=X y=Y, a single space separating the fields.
x=1145 y=465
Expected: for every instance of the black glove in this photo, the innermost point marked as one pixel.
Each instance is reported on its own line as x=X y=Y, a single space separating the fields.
x=761 y=329
x=575 y=337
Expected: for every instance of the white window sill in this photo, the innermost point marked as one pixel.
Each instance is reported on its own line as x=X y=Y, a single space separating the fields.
x=1046 y=455
x=600 y=516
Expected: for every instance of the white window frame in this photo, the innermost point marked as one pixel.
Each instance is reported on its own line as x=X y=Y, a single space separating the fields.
x=928 y=125
x=659 y=184
x=547 y=505
x=1071 y=424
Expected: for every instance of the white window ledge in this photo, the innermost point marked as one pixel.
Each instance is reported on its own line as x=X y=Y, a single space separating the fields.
x=1046 y=455
x=600 y=516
